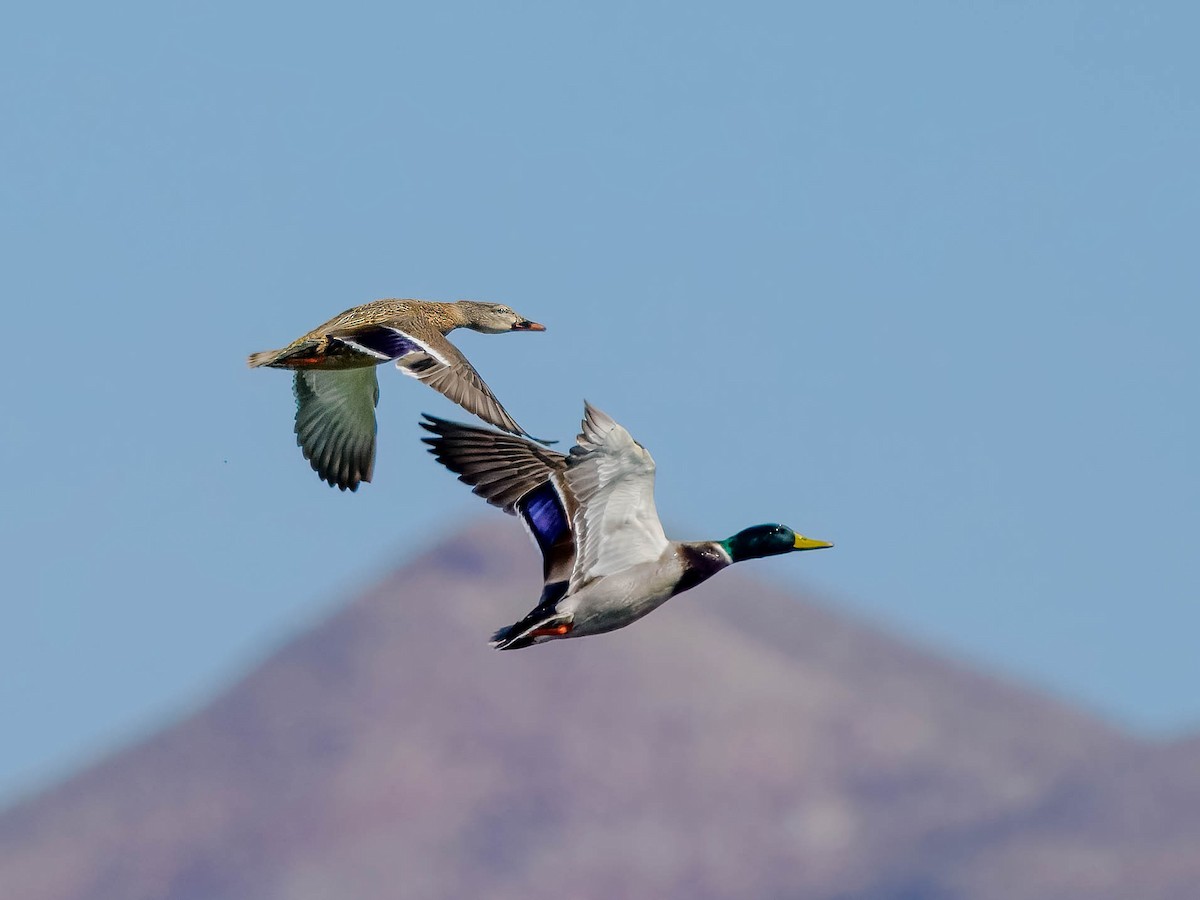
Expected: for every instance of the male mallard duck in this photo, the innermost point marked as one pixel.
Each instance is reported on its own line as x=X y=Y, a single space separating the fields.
x=605 y=558
x=335 y=385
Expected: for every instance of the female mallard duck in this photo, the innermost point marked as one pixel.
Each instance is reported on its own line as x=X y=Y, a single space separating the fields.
x=335 y=385
x=605 y=558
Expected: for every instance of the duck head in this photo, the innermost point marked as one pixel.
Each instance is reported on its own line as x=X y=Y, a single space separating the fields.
x=494 y=318
x=768 y=540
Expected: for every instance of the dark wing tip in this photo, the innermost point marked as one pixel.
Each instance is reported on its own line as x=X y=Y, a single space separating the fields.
x=335 y=474
x=440 y=426
x=434 y=424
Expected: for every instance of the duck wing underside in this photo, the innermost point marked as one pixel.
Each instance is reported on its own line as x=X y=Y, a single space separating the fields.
x=335 y=423
x=611 y=477
x=521 y=477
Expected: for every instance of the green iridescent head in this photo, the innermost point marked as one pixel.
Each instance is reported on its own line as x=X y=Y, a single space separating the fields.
x=768 y=540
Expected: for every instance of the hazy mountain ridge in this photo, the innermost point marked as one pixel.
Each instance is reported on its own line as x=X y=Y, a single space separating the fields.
x=737 y=743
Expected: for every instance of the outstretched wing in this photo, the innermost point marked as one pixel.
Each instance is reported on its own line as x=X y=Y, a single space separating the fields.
x=521 y=477
x=611 y=477
x=424 y=353
x=335 y=423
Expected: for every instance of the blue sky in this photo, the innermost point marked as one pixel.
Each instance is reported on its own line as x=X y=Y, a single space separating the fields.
x=920 y=279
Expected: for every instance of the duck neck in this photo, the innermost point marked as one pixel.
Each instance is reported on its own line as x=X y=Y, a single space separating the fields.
x=701 y=561
x=445 y=317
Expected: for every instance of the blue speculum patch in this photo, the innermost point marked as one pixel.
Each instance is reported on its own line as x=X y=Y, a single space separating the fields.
x=387 y=341
x=544 y=513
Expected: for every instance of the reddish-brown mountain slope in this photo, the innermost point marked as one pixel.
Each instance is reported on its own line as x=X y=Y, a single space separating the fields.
x=740 y=742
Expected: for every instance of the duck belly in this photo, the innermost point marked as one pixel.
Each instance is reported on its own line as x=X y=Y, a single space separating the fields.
x=324 y=355
x=614 y=601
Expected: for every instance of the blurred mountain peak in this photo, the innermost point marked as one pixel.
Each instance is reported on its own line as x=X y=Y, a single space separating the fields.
x=741 y=741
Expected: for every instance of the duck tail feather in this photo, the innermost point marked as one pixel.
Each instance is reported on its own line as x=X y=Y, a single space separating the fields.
x=524 y=633
x=262 y=358
x=504 y=638
x=302 y=354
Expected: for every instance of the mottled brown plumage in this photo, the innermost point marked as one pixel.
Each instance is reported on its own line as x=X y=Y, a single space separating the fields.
x=336 y=388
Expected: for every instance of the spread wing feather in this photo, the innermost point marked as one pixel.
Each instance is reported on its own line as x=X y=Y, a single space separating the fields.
x=591 y=512
x=521 y=477
x=335 y=423
x=612 y=478
x=439 y=364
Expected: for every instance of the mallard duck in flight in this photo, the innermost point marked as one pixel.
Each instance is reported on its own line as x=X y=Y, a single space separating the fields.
x=336 y=388
x=606 y=560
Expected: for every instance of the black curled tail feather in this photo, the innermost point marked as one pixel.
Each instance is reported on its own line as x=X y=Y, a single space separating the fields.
x=520 y=634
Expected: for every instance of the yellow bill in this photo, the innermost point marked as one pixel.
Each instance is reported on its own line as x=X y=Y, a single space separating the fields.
x=803 y=543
